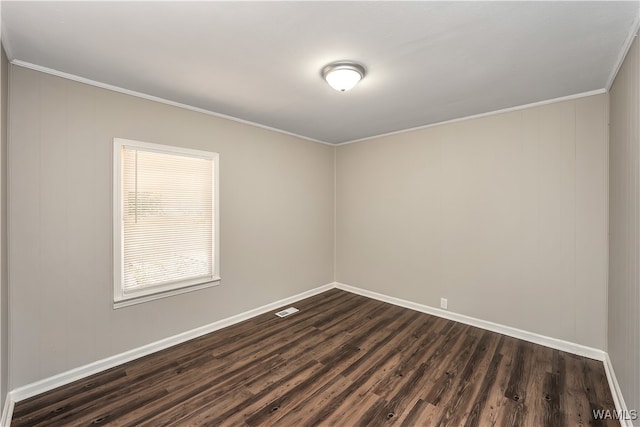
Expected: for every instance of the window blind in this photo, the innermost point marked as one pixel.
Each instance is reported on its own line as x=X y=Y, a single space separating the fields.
x=167 y=219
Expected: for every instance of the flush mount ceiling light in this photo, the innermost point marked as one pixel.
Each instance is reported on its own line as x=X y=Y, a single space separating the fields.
x=343 y=75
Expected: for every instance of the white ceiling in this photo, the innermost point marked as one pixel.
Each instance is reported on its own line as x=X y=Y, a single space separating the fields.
x=427 y=62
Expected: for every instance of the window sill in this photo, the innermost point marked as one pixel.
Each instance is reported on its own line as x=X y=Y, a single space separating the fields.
x=151 y=297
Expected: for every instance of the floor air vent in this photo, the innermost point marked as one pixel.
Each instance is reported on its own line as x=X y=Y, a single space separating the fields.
x=288 y=311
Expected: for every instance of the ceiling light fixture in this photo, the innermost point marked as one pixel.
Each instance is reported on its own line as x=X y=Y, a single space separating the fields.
x=343 y=75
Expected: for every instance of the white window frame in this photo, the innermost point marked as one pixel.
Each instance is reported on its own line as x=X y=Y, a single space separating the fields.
x=122 y=298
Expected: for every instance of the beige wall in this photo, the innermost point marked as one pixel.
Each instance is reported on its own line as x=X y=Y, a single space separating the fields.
x=506 y=216
x=276 y=195
x=624 y=245
x=4 y=299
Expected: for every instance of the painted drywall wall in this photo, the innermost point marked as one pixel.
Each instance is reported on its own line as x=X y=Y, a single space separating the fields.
x=4 y=296
x=276 y=201
x=505 y=216
x=624 y=228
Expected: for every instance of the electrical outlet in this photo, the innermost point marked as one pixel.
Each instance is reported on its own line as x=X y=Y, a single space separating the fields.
x=443 y=303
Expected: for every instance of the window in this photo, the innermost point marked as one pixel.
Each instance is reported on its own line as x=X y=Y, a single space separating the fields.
x=165 y=221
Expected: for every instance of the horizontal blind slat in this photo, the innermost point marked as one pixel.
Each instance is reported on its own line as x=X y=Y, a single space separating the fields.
x=167 y=211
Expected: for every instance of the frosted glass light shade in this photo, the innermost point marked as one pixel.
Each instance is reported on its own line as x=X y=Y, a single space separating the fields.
x=343 y=76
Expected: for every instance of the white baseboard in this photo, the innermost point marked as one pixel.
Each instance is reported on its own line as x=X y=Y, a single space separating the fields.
x=569 y=347
x=616 y=393
x=580 y=350
x=75 y=374
x=7 y=411
x=64 y=378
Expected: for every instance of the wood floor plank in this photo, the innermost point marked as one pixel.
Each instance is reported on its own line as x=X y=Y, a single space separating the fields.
x=363 y=351
x=486 y=384
x=382 y=363
x=400 y=401
x=208 y=409
x=146 y=367
x=281 y=351
x=423 y=338
x=275 y=408
x=576 y=401
x=496 y=406
x=306 y=414
x=348 y=414
x=516 y=391
x=540 y=402
x=109 y=392
x=463 y=391
x=342 y=360
x=446 y=378
x=396 y=340
x=427 y=350
x=597 y=390
x=418 y=414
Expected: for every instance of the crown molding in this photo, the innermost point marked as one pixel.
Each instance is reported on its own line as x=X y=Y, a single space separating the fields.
x=633 y=33
x=477 y=116
x=148 y=97
x=113 y=88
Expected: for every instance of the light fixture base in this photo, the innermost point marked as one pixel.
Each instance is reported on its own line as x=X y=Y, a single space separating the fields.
x=343 y=75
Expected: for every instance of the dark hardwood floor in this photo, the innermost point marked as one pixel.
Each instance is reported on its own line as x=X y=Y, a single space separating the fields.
x=342 y=360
